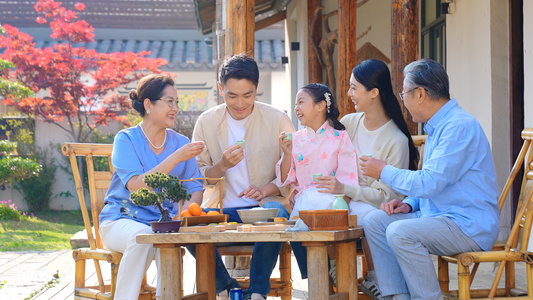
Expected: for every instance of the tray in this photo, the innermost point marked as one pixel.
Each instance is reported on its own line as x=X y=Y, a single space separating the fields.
x=261 y=223
x=195 y=220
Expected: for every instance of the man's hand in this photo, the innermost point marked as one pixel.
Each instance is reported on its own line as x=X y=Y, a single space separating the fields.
x=329 y=184
x=231 y=157
x=396 y=207
x=258 y=193
x=253 y=192
x=372 y=166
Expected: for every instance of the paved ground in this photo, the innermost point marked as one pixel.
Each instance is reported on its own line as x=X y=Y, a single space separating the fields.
x=29 y=273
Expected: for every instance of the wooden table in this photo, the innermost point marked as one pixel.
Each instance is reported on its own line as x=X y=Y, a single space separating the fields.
x=317 y=259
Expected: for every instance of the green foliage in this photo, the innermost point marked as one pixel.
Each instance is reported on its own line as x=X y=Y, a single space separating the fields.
x=12 y=167
x=21 y=130
x=37 y=190
x=8 y=211
x=7 y=87
x=165 y=186
x=7 y=146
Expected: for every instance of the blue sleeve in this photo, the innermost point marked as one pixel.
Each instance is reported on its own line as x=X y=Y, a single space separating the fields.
x=125 y=158
x=448 y=157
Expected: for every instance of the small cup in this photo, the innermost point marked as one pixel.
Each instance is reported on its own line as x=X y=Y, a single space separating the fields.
x=288 y=136
x=316 y=175
x=240 y=142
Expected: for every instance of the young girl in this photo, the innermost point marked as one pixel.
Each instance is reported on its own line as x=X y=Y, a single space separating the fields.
x=323 y=148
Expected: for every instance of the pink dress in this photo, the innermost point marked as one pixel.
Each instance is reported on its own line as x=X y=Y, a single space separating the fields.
x=328 y=151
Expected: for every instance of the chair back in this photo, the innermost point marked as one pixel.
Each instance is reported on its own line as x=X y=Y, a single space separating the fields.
x=521 y=229
x=420 y=142
x=98 y=182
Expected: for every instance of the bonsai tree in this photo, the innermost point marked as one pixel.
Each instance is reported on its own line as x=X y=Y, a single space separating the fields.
x=164 y=187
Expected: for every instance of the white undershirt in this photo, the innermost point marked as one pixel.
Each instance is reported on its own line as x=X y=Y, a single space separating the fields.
x=363 y=142
x=237 y=178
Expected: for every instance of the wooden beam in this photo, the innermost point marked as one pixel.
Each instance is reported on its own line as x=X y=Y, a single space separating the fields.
x=346 y=56
x=240 y=27
x=404 y=47
x=275 y=18
x=315 y=68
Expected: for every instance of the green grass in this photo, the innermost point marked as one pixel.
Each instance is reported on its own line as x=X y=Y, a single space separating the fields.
x=47 y=231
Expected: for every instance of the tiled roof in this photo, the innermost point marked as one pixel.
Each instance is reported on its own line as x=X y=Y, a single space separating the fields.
x=184 y=55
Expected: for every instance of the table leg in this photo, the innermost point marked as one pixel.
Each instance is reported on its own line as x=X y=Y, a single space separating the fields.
x=346 y=254
x=317 y=270
x=170 y=271
x=205 y=269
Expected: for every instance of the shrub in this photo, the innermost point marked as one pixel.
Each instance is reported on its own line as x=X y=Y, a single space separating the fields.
x=14 y=167
x=37 y=190
x=8 y=211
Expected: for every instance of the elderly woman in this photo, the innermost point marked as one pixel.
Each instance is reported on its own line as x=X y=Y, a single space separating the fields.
x=137 y=151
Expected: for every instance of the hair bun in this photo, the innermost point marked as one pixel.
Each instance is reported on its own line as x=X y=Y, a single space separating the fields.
x=133 y=95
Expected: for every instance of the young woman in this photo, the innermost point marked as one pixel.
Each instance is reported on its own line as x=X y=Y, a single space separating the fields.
x=377 y=129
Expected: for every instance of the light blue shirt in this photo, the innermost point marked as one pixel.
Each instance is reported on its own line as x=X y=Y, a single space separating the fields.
x=133 y=156
x=458 y=179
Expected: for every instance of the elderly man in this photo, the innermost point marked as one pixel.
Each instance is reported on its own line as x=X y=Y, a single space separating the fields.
x=249 y=168
x=451 y=204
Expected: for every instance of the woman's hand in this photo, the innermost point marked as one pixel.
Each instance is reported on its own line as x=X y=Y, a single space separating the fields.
x=190 y=150
x=396 y=207
x=329 y=184
x=286 y=144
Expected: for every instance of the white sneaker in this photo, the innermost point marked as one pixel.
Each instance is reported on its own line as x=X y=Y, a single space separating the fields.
x=256 y=296
x=371 y=288
x=223 y=296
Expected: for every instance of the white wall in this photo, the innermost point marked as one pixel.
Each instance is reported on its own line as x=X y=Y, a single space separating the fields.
x=528 y=63
x=477 y=40
x=278 y=92
x=468 y=58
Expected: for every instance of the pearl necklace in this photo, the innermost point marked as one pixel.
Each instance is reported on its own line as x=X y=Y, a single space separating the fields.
x=157 y=148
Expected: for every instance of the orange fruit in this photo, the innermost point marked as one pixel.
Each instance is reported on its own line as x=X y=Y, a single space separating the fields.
x=195 y=209
x=186 y=213
x=203 y=213
x=213 y=212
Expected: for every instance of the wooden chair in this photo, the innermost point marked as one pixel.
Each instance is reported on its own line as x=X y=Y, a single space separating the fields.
x=98 y=182
x=506 y=254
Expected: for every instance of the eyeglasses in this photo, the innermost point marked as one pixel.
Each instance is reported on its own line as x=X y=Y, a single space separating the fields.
x=171 y=102
x=403 y=93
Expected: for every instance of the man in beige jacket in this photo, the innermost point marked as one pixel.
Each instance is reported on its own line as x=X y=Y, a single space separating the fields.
x=249 y=166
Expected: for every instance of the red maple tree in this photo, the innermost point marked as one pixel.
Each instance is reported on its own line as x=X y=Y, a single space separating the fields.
x=71 y=83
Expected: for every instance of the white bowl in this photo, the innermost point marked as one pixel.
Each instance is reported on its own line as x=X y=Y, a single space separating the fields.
x=255 y=215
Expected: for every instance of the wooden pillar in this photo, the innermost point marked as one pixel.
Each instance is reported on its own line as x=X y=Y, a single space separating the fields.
x=346 y=59
x=404 y=47
x=315 y=68
x=240 y=27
